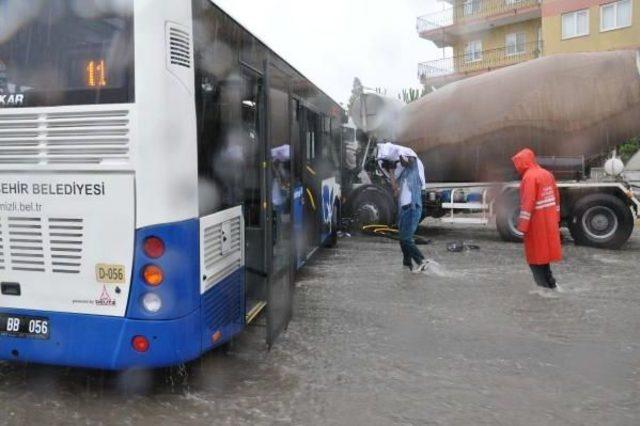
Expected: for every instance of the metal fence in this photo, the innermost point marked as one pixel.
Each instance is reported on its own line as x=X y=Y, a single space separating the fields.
x=469 y=10
x=479 y=61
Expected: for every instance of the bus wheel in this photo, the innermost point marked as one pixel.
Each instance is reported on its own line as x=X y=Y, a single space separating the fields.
x=372 y=206
x=227 y=347
x=601 y=221
x=332 y=241
x=508 y=211
x=136 y=381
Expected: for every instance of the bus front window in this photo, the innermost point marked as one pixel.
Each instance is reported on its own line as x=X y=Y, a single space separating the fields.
x=4 y=88
x=66 y=52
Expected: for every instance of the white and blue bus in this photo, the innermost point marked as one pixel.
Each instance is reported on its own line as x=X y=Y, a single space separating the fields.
x=163 y=174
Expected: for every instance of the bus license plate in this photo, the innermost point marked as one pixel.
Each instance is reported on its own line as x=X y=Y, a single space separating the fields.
x=21 y=326
x=110 y=274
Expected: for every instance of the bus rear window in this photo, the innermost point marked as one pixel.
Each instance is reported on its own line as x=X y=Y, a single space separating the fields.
x=66 y=52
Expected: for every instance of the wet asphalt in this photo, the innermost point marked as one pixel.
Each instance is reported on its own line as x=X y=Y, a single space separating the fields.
x=471 y=342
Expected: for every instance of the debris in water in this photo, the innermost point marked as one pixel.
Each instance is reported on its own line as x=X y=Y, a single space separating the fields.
x=460 y=246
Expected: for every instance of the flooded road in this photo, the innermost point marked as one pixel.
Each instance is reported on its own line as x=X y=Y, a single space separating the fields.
x=472 y=342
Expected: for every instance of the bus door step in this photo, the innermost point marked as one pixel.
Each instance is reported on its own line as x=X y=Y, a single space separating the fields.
x=256 y=308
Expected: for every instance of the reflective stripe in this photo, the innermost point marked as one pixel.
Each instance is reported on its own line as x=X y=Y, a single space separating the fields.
x=546 y=201
x=546 y=206
x=525 y=215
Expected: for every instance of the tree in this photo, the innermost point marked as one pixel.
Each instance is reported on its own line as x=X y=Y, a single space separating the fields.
x=356 y=91
x=411 y=95
x=629 y=148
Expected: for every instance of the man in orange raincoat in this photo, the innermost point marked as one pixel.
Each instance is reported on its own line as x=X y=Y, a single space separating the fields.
x=539 y=219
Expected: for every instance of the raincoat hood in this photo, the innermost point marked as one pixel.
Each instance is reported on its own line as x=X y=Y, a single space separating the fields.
x=524 y=160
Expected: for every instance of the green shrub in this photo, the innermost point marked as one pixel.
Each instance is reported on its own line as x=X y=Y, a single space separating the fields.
x=629 y=148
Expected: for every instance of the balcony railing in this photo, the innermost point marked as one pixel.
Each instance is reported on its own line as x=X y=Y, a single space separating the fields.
x=470 y=10
x=476 y=62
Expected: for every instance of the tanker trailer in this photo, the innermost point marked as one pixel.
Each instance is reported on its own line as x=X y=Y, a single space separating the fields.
x=582 y=104
x=571 y=109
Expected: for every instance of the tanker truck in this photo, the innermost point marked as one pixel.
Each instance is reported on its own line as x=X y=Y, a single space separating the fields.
x=573 y=110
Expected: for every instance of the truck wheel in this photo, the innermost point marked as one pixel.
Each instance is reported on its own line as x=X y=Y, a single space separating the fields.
x=424 y=213
x=372 y=206
x=601 y=221
x=508 y=211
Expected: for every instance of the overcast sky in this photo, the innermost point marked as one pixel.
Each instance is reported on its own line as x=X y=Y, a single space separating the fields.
x=333 y=41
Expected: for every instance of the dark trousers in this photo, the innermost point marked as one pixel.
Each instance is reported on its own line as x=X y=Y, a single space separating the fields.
x=407 y=226
x=543 y=276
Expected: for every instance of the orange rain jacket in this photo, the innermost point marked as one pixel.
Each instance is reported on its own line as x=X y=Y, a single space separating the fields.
x=539 y=210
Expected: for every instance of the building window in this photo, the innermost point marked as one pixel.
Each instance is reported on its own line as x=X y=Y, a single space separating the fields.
x=540 y=43
x=468 y=7
x=473 y=51
x=516 y=43
x=471 y=7
x=615 y=15
x=575 y=24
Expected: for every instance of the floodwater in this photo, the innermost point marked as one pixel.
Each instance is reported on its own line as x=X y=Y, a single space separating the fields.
x=472 y=342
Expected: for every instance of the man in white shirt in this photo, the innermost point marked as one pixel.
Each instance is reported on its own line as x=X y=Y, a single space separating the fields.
x=406 y=174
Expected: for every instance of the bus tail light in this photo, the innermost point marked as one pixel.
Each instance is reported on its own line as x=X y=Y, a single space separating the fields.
x=140 y=344
x=153 y=275
x=154 y=247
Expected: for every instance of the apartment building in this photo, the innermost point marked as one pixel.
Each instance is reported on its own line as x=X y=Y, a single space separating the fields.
x=479 y=36
x=482 y=35
x=590 y=25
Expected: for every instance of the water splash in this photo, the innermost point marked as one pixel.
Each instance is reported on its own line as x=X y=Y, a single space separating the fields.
x=436 y=269
x=545 y=293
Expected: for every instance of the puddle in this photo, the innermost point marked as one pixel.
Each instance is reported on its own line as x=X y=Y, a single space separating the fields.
x=608 y=260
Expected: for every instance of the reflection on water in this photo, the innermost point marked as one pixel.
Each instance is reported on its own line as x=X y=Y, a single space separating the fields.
x=371 y=344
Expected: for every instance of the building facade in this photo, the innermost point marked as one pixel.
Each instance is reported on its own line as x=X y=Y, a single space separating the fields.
x=590 y=25
x=483 y=35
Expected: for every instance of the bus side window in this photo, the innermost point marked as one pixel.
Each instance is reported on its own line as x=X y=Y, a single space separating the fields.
x=253 y=148
x=228 y=108
x=297 y=139
x=312 y=136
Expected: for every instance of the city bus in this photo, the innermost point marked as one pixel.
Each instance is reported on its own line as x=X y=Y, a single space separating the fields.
x=163 y=175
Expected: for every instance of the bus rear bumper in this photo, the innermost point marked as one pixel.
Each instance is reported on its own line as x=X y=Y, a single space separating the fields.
x=89 y=341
